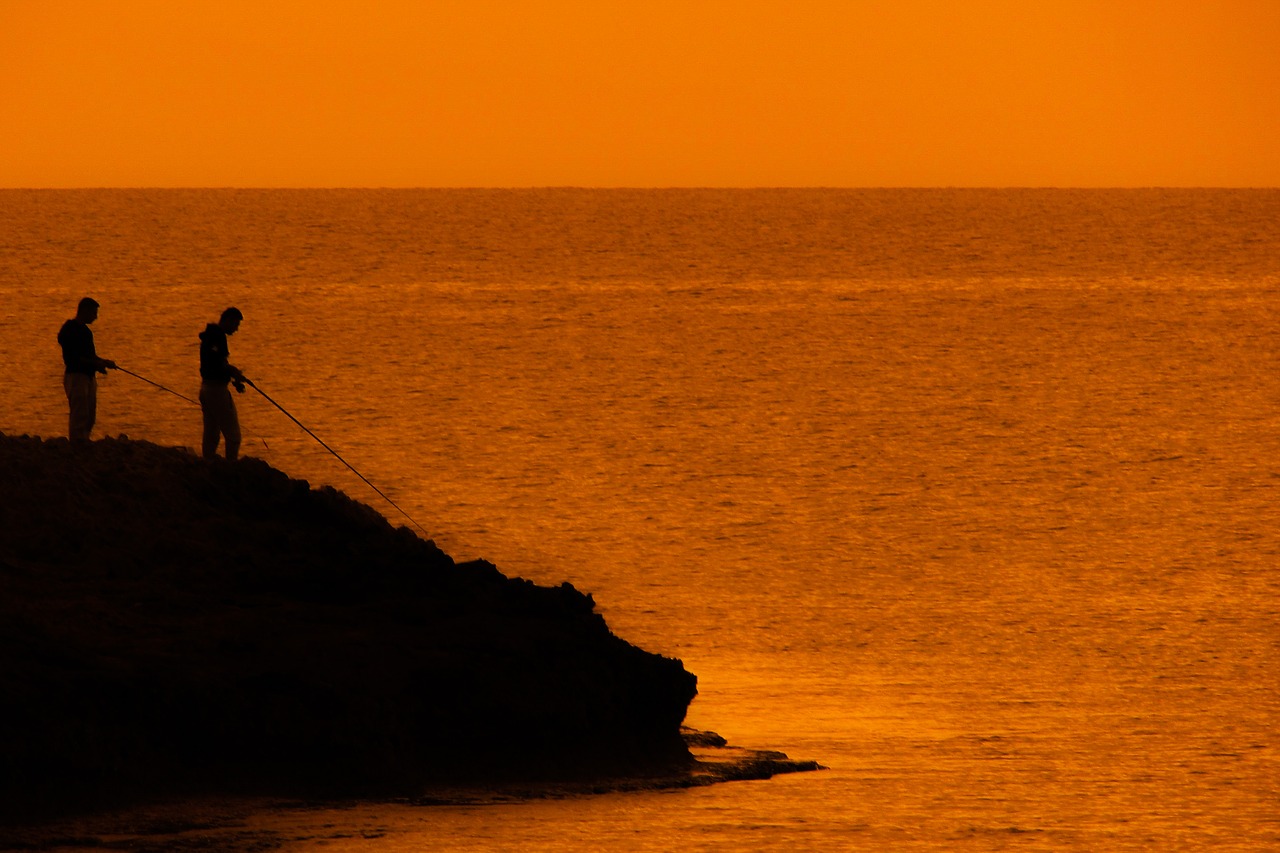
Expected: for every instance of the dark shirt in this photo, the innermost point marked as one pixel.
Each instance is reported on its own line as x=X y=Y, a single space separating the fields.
x=78 y=352
x=214 y=367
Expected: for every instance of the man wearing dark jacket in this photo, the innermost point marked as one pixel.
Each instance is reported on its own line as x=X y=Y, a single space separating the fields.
x=216 y=374
x=82 y=362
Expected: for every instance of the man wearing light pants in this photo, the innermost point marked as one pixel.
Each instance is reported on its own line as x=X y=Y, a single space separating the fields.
x=216 y=374
x=82 y=363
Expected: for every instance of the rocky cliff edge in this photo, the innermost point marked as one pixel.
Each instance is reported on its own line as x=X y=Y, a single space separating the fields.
x=173 y=625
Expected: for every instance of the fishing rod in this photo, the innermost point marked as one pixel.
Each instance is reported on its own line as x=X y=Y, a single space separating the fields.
x=335 y=454
x=157 y=384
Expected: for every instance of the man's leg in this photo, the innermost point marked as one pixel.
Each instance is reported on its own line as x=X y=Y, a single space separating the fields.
x=82 y=402
x=231 y=428
x=209 y=411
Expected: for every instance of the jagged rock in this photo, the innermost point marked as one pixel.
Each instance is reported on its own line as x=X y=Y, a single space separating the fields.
x=173 y=625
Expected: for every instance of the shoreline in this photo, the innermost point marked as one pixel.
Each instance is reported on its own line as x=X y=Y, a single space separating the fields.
x=171 y=626
x=241 y=824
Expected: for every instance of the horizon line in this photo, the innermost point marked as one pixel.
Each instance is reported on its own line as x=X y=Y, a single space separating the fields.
x=633 y=188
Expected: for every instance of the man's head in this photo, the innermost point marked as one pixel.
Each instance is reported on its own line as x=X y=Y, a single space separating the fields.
x=230 y=320
x=87 y=310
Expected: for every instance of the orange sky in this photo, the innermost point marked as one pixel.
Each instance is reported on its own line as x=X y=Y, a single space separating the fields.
x=639 y=93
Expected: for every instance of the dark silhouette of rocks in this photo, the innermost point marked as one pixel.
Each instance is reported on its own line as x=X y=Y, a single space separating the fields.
x=175 y=626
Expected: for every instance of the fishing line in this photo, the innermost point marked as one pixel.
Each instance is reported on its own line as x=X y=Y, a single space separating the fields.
x=157 y=384
x=336 y=455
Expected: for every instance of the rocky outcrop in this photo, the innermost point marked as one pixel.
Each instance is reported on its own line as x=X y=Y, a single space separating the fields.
x=172 y=625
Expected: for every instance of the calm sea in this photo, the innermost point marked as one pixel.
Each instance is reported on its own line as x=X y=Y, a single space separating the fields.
x=972 y=496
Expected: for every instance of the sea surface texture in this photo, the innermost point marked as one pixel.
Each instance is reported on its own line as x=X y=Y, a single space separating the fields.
x=971 y=495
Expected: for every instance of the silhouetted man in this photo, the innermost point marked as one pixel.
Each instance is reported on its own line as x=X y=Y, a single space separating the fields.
x=82 y=363
x=216 y=375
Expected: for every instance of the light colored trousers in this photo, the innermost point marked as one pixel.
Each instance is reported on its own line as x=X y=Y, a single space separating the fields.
x=220 y=420
x=82 y=397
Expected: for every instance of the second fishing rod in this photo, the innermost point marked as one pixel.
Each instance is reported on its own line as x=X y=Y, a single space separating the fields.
x=241 y=378
x=335 y=453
